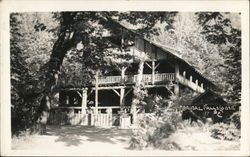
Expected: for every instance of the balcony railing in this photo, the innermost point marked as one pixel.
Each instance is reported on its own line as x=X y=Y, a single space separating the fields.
x=190 y=84
x=130 y=79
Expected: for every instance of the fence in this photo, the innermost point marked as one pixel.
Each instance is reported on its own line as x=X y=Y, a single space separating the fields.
x=74 y=116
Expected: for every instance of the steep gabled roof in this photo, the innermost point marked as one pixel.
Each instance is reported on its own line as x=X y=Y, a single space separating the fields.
x=175 y=55
x=170 y=51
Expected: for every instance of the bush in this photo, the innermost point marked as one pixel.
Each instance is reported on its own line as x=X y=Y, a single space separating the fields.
x=235 y=119
x=229 y=130
x=225 y=131
x=153 y=131
x=23 y=112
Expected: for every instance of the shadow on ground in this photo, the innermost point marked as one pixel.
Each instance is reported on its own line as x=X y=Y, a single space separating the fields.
x=76 y=135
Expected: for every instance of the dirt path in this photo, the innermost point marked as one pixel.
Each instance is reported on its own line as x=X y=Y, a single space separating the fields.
x=83 y=140
x=80 y=139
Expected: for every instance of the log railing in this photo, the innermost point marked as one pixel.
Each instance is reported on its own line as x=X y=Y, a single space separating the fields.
x=190 y=84
x=146 y=78
x=108 y=109
x=75 y=116
x=109 y=79
x=165 y=77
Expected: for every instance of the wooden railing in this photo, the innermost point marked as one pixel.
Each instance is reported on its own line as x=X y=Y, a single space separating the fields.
x=190 y=84
x=108 y=109
x=75 y=116
x=109 y=79
x=165 y=77
x=146 y=78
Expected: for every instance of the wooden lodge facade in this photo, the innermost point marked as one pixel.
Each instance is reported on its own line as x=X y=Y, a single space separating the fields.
x=100 y=103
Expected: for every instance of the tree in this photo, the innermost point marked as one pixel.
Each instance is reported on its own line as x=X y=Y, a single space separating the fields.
x=211 y=42
x=31 y=40
x=78 y=27
x=219 y=30
x=193 y=47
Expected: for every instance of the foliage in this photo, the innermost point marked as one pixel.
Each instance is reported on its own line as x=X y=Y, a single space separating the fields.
x=225 y=131
x=31 y=40
x=229 y=130
x=235 y=119
x=211 y=42
x=153 y=129
x=219 y=30
x=140 y=95
x=158 y=128
x=192 y=46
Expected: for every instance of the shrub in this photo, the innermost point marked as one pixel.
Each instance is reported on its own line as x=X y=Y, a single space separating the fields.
x=229 y=130
x=153 y=131
x=235 y=119
x=225 y=131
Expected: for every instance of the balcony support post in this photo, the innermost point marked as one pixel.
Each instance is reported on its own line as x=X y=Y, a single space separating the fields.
x=197 y=85
x=122 y=97
x=176 y=89
x=96 y=93
x=177 y=73
x=123 y=74
x=84 y=100
x=153 y=71
x=84 y=106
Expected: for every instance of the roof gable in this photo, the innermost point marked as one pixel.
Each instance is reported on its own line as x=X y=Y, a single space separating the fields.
x=208 y=93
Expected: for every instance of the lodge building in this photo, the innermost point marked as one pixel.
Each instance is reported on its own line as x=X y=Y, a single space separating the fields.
x=164 y=73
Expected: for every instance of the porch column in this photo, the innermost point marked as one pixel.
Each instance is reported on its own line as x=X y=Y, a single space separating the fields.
x=96 y=93
x=84 y=100
x=122 y=97
x=184 y=74
x=196 y=82
x=176 y=86
x=176 y=89
x=191 y=78
x=153 y=71
x=177 y=71
x=84 y=120
x=123 y=74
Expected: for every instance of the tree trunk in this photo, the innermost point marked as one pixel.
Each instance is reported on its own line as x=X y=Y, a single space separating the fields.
x=64 y=42
x=137 y=90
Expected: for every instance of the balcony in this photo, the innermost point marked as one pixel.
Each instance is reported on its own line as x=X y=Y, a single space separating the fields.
x=131 y=79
